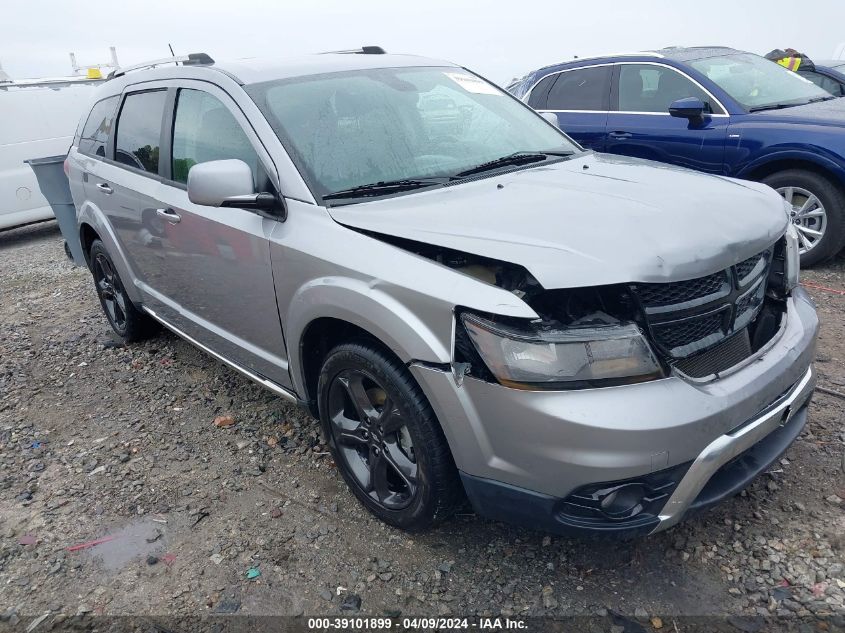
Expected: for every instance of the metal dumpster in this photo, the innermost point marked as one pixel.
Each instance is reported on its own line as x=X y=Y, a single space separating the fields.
x=50 y=174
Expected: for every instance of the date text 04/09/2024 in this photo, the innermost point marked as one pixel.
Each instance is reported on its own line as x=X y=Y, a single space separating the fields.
x=413 y=624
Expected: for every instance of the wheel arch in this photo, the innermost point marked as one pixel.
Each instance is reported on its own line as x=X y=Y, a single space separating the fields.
x=773 y=164
x=319 y=338
x=87 y=235
x=325 y=313
x=93 y=224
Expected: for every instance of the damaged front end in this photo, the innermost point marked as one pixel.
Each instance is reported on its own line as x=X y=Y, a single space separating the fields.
x=625 y=333
x=701 y=328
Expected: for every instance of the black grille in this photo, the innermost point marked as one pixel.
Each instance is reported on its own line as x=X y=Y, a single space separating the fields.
x=685 y=318
x=678 y=334
x=749 y=304
x=718 y=358
x=746 y=269
x=658 y=295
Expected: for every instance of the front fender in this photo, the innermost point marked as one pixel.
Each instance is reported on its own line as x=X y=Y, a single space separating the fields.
x=93 y=216
x=373 y=308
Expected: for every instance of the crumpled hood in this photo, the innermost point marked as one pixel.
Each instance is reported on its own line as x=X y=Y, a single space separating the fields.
x=592 y=220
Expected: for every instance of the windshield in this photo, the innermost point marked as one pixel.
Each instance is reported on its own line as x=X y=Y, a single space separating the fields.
x=350 y=129
x=757 y=83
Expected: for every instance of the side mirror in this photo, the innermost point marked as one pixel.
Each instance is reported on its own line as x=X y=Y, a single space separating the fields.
x=227 y=183
x=691 y=108
x=213 y=183
x=551 y=117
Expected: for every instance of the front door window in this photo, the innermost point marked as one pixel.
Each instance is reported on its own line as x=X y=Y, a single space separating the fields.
x=653 y=88
x=205 y=130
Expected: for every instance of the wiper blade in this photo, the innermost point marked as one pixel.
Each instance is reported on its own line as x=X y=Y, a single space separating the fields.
x=780 y=106
x=772 y=106
x=517 y=158
x=382 y=188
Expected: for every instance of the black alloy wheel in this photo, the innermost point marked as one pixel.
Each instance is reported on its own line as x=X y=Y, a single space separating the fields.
x=111 y=292
x=385 y=437
x=126 y=320
x=373 y=439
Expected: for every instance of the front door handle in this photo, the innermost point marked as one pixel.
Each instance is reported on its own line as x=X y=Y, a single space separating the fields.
x=170 y=215
x=620 y=135
x=104 y=187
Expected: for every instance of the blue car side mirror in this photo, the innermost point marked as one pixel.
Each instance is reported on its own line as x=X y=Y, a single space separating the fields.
x=691 y=108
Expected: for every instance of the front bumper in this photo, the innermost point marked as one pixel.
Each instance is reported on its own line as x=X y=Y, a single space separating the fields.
x=759 y=442
x=524 y=452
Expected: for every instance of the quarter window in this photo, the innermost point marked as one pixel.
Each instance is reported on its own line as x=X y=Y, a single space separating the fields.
x=650 y=88
x=204 y=130
x=139 y=130
x=581 y=89
x=97 y=128
x=539 y=93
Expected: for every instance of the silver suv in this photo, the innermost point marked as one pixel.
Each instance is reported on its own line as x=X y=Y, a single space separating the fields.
x=471 y=304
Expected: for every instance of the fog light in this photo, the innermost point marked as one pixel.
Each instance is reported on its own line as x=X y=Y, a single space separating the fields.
x=622 y=502
x=627 y=502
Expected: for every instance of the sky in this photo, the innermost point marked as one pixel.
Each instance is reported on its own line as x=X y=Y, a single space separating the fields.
x=496 y=38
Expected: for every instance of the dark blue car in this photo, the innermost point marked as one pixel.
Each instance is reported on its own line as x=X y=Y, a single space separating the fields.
x=717 y=110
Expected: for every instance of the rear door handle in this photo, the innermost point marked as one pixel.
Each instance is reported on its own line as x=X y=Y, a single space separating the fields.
x=170 y=215
x=104 y=187
x=619 y=135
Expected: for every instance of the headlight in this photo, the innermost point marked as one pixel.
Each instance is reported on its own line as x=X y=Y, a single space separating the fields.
x=535 y=357
x=792 y=258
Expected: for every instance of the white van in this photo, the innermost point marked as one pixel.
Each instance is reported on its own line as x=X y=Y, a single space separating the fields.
x=39 y=118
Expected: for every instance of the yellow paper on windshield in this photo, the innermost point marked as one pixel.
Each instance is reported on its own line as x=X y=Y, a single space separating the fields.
x=473 y=84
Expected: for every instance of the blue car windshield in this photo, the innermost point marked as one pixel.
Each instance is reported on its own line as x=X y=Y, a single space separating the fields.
x=757 y=83
x=394 y=125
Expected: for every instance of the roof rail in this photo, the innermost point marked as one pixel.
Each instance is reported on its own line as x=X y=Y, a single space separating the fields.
x=654 y=54
x=192 y=59
x=364 y=50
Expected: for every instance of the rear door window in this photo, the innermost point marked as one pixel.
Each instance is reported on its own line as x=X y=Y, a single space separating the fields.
x=581 y=89
x=205 y=130
x=139 y=130
x=95 y=134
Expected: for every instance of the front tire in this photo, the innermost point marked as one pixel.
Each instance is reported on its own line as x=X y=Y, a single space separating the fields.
x=385 y=438
x=126 y=320
x=818 y=212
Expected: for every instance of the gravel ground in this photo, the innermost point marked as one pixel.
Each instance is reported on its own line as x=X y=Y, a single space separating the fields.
x=100 y=441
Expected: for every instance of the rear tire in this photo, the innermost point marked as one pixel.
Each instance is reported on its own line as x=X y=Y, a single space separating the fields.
x=385 y=438
x=126 y=320
x=825 y=214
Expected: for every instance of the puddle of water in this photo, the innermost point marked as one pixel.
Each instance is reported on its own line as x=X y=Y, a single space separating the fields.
x=128 y=543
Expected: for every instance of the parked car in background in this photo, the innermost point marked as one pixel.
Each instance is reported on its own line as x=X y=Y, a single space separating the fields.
x=824 y=74
x=579 y=343
x=828 y=75
x=718 y=110
x=38 y=118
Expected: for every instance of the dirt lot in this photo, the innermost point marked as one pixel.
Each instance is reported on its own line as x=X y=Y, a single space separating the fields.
x=102 y=441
